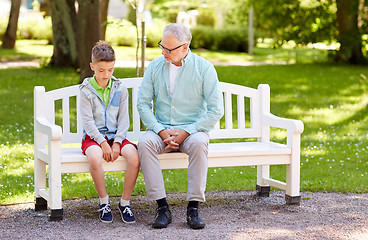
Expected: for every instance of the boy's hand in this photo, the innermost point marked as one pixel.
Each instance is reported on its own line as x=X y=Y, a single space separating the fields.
x=115 y=151
x=106 y=151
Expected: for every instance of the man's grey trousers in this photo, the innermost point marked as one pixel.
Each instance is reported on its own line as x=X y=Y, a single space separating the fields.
x=196 y=146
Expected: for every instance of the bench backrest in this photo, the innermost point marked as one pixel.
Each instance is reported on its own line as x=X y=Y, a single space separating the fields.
x=242 y=121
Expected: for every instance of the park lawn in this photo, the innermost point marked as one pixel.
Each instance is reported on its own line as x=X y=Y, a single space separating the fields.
x=331 y=101
x=39 y=50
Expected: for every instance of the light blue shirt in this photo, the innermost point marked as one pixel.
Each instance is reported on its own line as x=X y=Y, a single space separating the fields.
x=196 y=104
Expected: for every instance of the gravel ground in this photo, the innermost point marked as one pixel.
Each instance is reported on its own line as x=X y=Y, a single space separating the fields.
x=228 y=215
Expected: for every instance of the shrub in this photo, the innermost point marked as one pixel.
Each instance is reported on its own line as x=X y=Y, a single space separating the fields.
x=231 y=38
x=204 y=37
x=3 y=25
x=172 y=14
x=206 y=17
x=121 y=32
x=35 y=27
x=154 y=32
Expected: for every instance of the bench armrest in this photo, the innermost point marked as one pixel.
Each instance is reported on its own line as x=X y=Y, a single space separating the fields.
x=292 y=125
x=53 y=131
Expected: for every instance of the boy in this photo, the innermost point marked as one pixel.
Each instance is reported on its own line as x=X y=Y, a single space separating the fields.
x=105 y=118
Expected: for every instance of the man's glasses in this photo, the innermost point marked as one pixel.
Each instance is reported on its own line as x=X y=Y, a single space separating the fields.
x=168 y=51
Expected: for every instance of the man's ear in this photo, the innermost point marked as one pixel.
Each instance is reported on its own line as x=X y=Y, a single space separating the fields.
x=91 y=65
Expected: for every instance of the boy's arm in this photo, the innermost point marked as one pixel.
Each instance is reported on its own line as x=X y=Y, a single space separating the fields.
x=123 y=117
x=88 y=121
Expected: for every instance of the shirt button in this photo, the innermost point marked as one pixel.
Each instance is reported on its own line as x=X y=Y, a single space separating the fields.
x=172 y=107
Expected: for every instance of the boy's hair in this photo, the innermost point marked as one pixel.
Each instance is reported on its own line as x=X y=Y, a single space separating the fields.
x=102 y=52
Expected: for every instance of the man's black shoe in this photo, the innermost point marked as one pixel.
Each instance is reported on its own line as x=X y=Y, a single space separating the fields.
x=193 y=219
x=163 y=217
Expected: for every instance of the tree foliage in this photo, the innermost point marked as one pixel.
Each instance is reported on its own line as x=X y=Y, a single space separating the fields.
x=302 y=21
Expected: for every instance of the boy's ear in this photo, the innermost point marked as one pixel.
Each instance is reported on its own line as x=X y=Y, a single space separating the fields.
x=91 y=65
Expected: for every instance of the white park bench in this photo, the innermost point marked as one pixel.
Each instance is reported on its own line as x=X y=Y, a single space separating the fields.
x=52 y=142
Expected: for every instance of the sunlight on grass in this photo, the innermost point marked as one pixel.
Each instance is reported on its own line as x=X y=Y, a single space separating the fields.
x=28 y=50
x=16 y=173
x=331 y=101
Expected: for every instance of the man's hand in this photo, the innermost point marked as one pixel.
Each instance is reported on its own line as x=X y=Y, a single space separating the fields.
x=115 y=151
x=167 y=137
x=179 y=135
x=106 y=151
x=173 y=137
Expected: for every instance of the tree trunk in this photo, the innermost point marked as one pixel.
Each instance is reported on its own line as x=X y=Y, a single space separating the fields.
x=349 y=35
x=104 y=5
x=89 y=33
x=64 y=30
x=10 y=35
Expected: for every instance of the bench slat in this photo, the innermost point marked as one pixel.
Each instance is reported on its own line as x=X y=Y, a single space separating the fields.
x=219 y=155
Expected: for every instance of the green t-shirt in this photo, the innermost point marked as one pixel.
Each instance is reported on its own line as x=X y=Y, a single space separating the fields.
x=103 y=93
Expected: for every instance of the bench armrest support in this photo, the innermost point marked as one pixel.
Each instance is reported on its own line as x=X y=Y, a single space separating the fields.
x=292 y=125
x=53 y=131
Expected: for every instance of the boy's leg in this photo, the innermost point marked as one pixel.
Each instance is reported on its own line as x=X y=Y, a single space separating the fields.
x=130 y=153
x=94 y=155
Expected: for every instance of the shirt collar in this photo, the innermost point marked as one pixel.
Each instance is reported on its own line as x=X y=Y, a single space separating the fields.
x=187 y=58
x=98 y=87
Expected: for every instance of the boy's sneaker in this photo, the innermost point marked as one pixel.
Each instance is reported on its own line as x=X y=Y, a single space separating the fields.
x=126 y=214
x=105 y=213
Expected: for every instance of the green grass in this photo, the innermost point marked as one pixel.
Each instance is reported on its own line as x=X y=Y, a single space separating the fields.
x=38 y=50
x=331 y=100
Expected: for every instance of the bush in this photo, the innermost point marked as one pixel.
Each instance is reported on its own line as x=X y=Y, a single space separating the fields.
x=154 y=32
x=206 y=17
x=121 y=32
x=204 y=37
x=35 y=27
x=172 y=15
x=3 y=25
x=232 y=38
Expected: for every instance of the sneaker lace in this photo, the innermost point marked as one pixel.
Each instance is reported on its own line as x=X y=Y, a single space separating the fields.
x=127 y=210
x=105 y=209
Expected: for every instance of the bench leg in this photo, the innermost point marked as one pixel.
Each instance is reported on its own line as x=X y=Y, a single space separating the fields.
x=39 y=183
x=292 y=191
x=56 y=215
x=41 y=204
x=292 y=200
x=263 y=191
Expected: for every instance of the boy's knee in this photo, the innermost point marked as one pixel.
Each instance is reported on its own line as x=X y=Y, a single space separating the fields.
x=95 y=163
x=132 y=159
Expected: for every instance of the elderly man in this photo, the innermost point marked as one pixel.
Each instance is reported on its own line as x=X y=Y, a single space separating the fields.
x=188 y=102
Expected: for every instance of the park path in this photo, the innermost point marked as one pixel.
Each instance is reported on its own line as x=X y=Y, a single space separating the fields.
x=234 y=215
x=132 y=64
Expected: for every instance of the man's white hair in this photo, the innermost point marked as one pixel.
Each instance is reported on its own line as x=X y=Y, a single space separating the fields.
x=180 y=31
